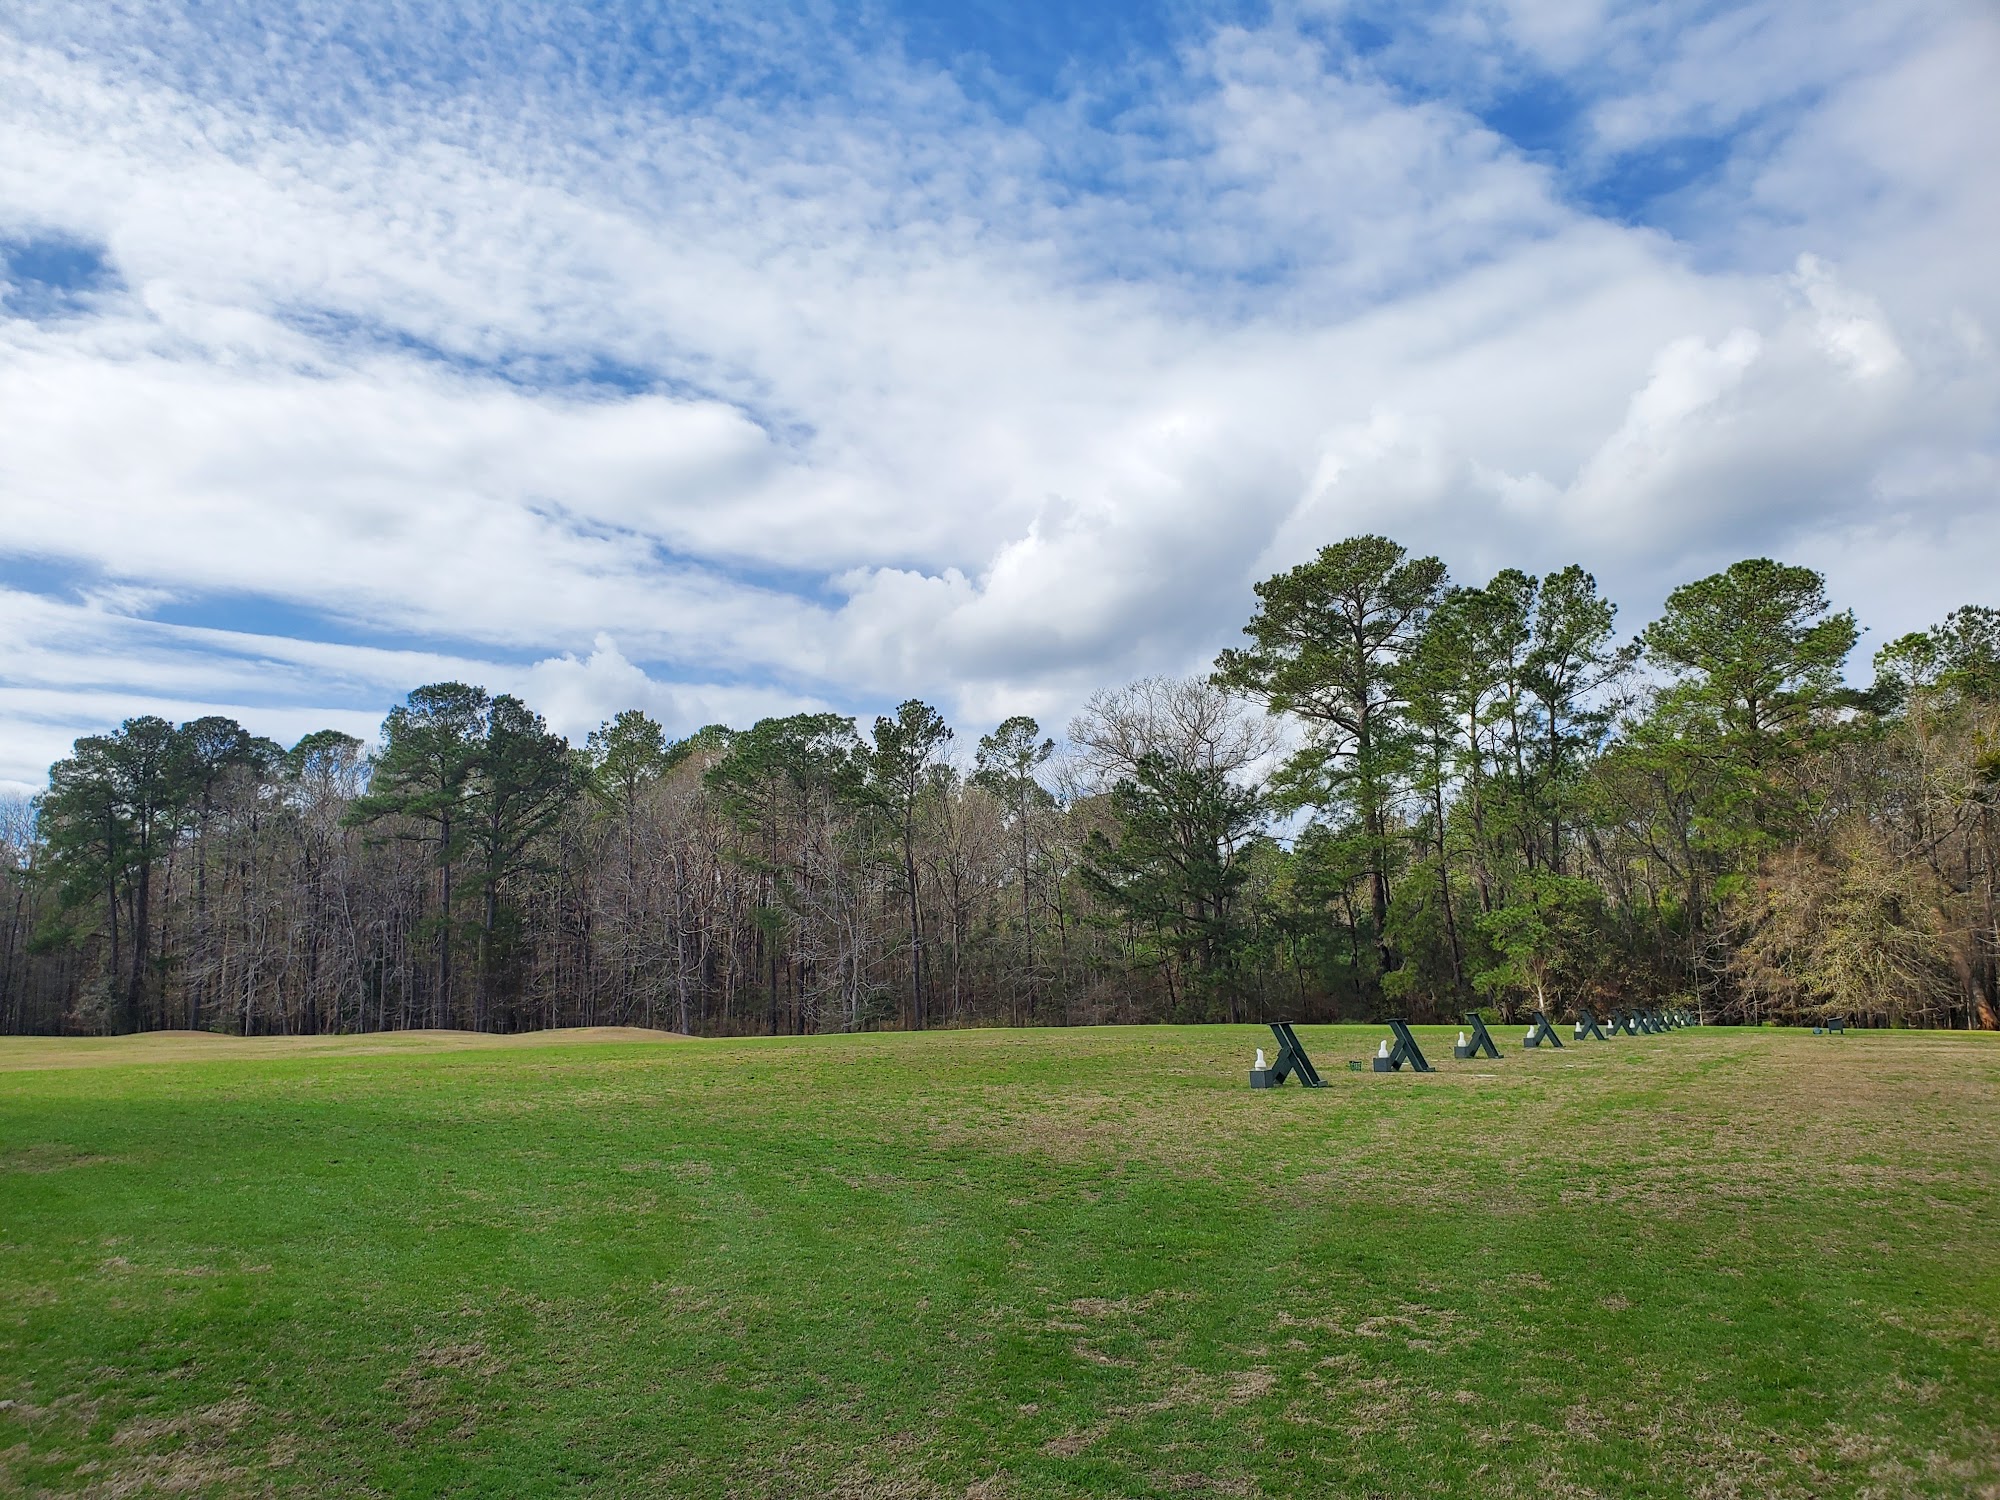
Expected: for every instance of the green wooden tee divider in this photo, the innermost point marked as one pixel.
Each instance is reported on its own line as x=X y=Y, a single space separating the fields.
x=1480 y=1041
x=1292 y=1058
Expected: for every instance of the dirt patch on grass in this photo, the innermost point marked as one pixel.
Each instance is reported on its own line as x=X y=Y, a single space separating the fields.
x=443 y=1382
x=184 y=1454
x=1070 y=1444
x=43 y=1157
x=223 y=1417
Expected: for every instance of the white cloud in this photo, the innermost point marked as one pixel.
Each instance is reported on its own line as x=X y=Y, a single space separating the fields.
x=932 y=411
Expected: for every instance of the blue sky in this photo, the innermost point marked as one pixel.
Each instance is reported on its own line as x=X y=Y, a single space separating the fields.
x=730 y=360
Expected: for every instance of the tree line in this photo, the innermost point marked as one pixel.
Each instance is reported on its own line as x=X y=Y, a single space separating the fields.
x=1400 y=795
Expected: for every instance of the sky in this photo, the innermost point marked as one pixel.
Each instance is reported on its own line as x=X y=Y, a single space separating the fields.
x=729 y=360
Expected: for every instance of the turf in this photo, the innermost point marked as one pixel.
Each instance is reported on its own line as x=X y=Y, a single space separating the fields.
x=1002 y=1264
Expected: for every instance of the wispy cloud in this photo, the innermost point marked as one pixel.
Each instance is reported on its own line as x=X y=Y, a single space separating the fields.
x=724 y=366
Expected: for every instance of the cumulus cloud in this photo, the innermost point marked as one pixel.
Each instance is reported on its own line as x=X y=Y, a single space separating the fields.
x=796 y=376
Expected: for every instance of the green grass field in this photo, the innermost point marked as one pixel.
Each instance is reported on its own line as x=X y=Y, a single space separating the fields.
x=1000 y=1264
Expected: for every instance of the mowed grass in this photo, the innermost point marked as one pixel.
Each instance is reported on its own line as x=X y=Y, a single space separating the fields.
x=1001 y=1264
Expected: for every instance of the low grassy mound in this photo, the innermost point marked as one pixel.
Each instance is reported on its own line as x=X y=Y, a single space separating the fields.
x=20 y=1053
x=1001 y=1264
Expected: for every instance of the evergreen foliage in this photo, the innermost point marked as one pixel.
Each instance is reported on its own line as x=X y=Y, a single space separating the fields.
x=1400 y=795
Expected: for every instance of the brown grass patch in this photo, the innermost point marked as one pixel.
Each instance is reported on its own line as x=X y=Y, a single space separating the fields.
x=41 y=1157
x=433 y=1387
x=1072 y=1443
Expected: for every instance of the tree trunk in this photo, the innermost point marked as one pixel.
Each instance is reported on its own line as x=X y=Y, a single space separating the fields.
x=141 y=913
x=1444 y=894
x=916 y=928
x=488 y=915
x=441 y=1001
